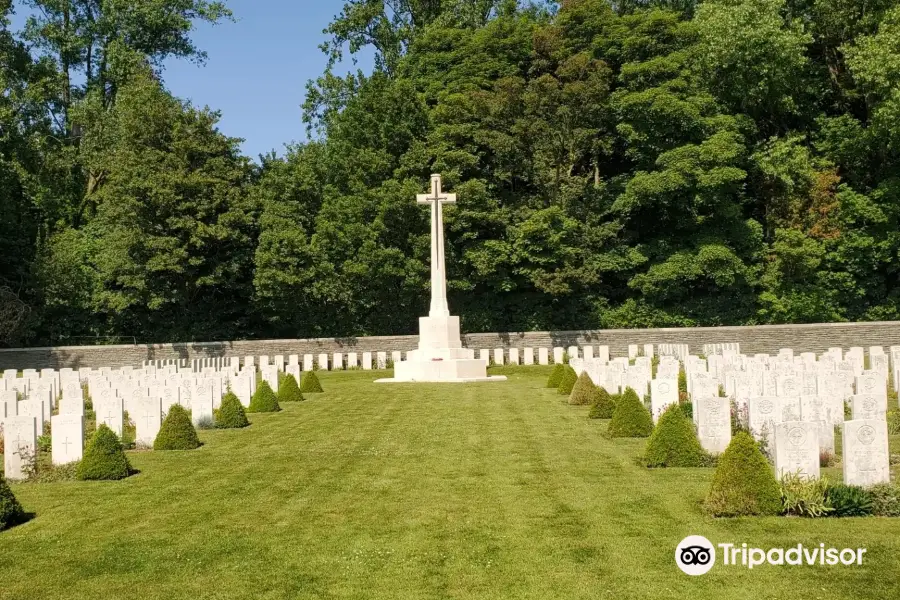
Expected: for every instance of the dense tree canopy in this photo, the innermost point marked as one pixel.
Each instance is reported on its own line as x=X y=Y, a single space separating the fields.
x=626 y=164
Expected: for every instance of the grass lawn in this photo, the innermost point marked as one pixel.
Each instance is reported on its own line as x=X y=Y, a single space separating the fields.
x=495 y=490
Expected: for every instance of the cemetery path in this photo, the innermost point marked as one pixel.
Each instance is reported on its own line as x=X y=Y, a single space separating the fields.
x=497 y=490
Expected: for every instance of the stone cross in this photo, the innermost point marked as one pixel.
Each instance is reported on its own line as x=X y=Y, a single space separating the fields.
x=437 y=198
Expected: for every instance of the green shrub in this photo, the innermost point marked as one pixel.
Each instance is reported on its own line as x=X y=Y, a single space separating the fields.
x=310 y=383
x=602 y=405
x=177 y=431
x=630 y=418
x=11 y=512
x=885 y=499
x=583 y=391
x=743 y=483
x=263 y=400
x=893 y=422
x=567 y=381
x=231 y=414
x=104 y=458
x=674 y=442
x=848 y=500
x=289 y=391
x=803 y=496
x=687 y=409
x=555 y=376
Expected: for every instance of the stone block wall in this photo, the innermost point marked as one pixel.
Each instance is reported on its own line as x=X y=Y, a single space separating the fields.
x=755 y=339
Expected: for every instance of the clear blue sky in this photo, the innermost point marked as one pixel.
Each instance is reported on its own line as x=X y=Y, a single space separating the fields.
x=257 y=68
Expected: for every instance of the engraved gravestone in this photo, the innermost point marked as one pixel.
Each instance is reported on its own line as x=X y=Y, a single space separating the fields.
x=797 y=449
x=865 y=447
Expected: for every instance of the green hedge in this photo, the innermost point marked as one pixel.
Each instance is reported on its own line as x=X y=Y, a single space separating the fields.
x=177 y=431
x=584 y=391
x=674 y=442
x=602 y=405
x=567 y=381
x=289 y=391
x=231 y=414
x=263 y=400
x=555 y=376
x=630 y=418
x=310 y=383
x=11 y=512
x=104 y=458
x=743 y=483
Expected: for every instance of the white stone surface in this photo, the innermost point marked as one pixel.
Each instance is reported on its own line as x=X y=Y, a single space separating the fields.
x=147 y=420
x=352 y=360
x=322 y=362
x=713 y=423
x=440 y=356
x=663 y=393
x=543 y=356
x=865 y=452
x=110 y=412
x=797 y=449
x=762 y=417
x=381 y=362
x=337 y=362
x=558 y=355
x=20 y=443
x=67 y=439
x=528 y=356
x=514 y=356
x=202 y=404
x=307 y=362
x=498 y=356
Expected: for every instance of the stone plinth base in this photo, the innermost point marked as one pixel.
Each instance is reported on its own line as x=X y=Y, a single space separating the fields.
x=464 y=370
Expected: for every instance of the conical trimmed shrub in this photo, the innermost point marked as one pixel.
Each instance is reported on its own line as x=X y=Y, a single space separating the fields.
x=231 y=414
x=104 y=458
x=744 y=483
x=289 y=391
x=555 y=376
x=583 y=392
x=630 y=418
x=11 y=512
x=674 y=442
x=567 y=381
x=602 y=405
x=177 y=431
x=310 y=383
x=263 y=400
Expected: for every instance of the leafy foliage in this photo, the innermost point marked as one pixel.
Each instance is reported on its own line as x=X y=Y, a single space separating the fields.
x=602 y=404
x=848 y=500
x=617 y=165
x=885 y=499
x=104 y=458
x=805 y=497
x=583 y=392
x=743 y=483
x=567 y=381
x=556 y=376
x=230 y=414
x=674 y=442
x=310 y=383
x=289 y=391
x=264 y=399
x=177 y=432
x=10 y=510
x=630 y=417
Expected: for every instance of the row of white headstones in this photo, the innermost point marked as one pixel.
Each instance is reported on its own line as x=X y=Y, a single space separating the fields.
x=366 y=361
x=792 y=402
x=27 y=403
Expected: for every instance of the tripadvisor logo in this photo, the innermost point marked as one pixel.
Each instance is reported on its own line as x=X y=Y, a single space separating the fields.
x=696 y=555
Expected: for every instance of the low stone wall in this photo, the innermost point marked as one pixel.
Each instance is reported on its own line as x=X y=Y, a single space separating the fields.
x=757 y=339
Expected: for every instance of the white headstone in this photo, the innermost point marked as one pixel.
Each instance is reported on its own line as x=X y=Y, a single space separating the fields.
x=558 y=355
x=20 y=442
x=147 y=419
x=202 y=403
x=67 y=444
x=543 y=356
x=866 y=457
x=279 y=362
x=514 y=356
x=868 y=406
x=322 y=362
x=763 y=413
x=498 y=356
x=797 y=449
x=242 y=388
x=337 y=363
x=528 y=357
x=381 y=360
x=485 y=355
x=110 y=412
x=663 y=393
x=713 y=422
x=307 y=362
x=352 y=360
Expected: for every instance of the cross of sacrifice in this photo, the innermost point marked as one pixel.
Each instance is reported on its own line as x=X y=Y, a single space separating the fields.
x=437 y=198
